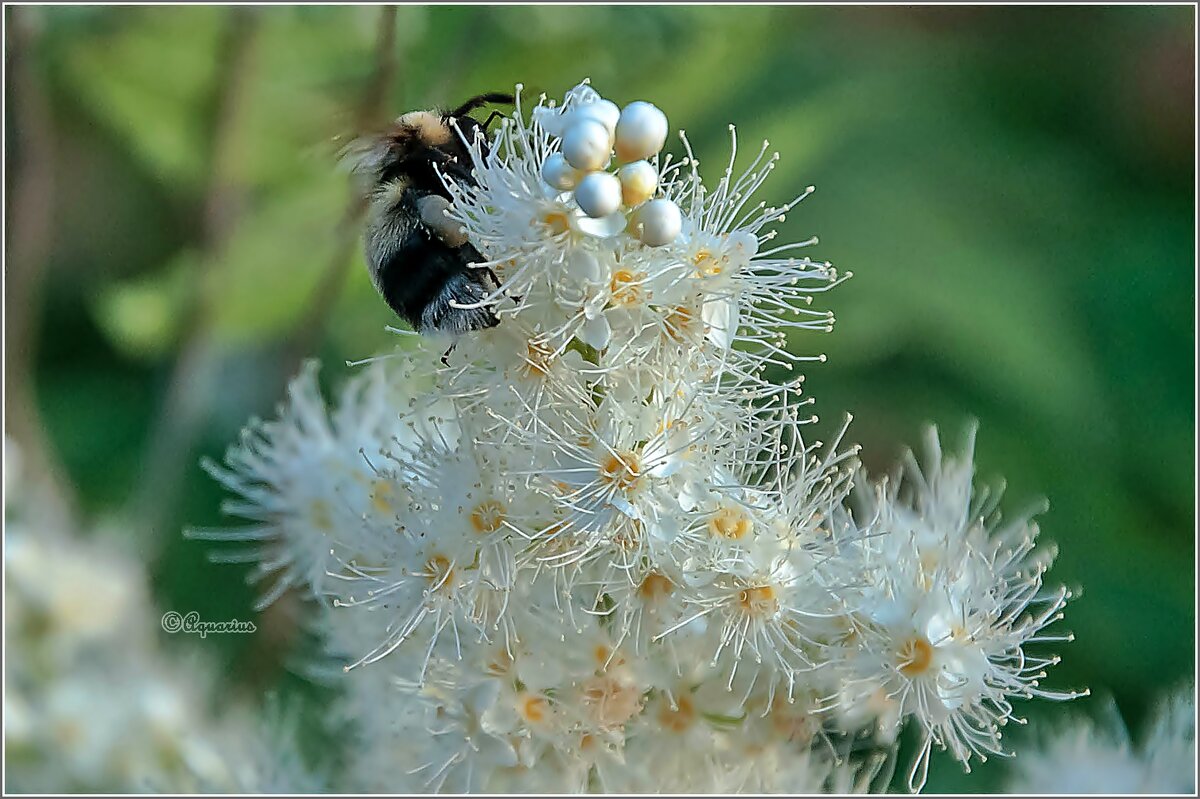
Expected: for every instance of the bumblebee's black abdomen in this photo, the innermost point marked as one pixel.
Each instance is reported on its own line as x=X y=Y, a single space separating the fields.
x=412 y=274
x=421 y=277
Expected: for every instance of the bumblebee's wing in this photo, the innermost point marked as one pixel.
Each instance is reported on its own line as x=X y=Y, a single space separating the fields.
x=363 y=158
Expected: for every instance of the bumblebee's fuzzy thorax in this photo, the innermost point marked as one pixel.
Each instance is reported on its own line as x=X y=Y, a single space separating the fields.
x=428 y=127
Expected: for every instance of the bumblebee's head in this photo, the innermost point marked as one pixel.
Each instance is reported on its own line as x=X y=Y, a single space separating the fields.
x=437 y=128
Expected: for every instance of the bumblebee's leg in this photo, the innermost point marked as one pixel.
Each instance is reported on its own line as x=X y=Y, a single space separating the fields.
x=446 y=354
x=496 y=279
x=492 y=116
x=482 y=99
x=427 y=164
x=432 y=208
x=445 y=311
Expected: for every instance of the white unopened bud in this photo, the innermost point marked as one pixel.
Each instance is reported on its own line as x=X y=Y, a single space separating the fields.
x=559 y=174
x=638 y=182
x=658 y=222
x=641 y=131
x=605 y=112
x=586 y=145
x=598 y=194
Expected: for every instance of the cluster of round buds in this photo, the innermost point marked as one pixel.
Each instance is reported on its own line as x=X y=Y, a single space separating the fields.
x=591 y=133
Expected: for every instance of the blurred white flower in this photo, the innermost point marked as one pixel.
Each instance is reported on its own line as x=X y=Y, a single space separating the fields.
x=1098 y=757
x=93 y=702
x=300 y=479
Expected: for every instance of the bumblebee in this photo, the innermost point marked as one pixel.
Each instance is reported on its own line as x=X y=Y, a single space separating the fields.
x=419 y=262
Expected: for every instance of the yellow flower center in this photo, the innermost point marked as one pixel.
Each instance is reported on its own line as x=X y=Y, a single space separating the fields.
x=847 y=629
x=732 y=523
x=381 y=496
x=789 y=722
x=655 y=586
x=629 y=535
x=538 y=356
x=439 y=572
x=532 y=708
x=678 y=718
x=679 y=323
x=622 y=470
x=500 y=663
x=321 y=518
x=626 y=287
x=487 y=516
x=759 y=600
x=610 y=702
x=915 y=656
x=557 y=221
x=707 y=264
x=929 y=565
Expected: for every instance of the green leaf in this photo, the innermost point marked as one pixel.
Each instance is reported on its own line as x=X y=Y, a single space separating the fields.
x=148 y=80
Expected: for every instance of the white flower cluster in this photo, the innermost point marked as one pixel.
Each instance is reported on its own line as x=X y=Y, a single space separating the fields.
x=1091 y=758
x=595 y=552
x=591 y=130
x=92 y=700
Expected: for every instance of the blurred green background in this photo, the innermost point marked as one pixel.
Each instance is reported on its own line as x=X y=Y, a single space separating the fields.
x=1012 y=187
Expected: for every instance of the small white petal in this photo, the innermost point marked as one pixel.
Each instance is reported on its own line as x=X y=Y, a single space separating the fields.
x=604 y=227
x=595 y=332
x=721 y=321
x=582 y=266
x=744 y=244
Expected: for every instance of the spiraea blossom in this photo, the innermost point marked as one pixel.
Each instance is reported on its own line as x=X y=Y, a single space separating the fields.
x=941 y=629
x=596 y=551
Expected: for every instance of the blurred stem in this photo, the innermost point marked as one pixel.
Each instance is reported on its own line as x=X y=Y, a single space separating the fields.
x=30 y=207
x=280 y=620
x=190 y=387
x=307 y=332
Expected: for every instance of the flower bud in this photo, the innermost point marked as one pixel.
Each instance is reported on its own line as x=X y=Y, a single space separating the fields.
x=638 y=182
x=598 y=194
x=586 y=145
x=559 y=174
x=641 y=131
x=605 y=112
x=658 y=222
